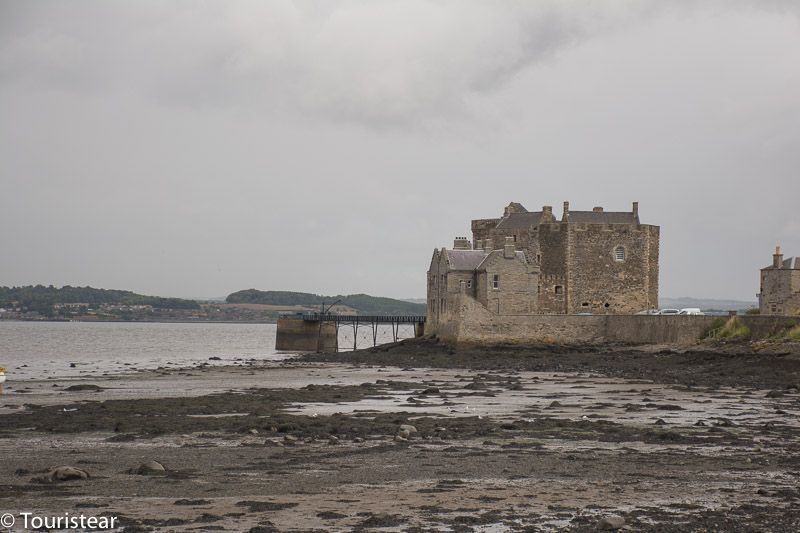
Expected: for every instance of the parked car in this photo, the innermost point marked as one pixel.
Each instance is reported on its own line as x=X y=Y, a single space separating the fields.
x=691 y=311
x=669 y=312
x=648 y=312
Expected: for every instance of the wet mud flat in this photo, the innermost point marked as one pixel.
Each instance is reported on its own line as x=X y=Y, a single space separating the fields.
x=328 y=445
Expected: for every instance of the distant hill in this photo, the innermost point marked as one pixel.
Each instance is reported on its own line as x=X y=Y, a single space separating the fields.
x=39 y=297
x=363 y=303
x=706 y=304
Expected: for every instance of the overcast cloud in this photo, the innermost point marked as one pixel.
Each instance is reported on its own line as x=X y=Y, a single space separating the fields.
x=197 y=148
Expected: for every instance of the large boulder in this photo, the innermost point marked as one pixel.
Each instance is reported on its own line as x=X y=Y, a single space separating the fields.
x=611 y=523
x=150 y=468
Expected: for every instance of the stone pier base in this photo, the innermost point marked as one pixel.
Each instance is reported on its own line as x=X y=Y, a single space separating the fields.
x=296 y=335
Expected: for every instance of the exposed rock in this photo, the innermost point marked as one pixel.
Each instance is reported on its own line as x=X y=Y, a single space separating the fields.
x=84 y=387
x=555 y=403
x=611 y=523
x=289 y=440
x=62 y=473
x=407 y=427
x=150 y=468
x=660 y=422
x=253 y=431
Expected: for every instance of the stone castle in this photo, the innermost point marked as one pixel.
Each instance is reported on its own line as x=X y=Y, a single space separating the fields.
x=780 y=286
x=531 y=263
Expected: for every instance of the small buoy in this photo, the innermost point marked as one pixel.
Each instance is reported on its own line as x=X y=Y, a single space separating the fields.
x=2 y=378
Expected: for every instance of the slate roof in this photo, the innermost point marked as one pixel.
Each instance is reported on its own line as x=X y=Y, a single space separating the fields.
x=605 y=217
x=520 y=256
x=465 y=259
x=787 y=263
x=520 y=220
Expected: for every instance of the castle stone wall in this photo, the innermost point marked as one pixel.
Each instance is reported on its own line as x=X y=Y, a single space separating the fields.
x=470 y=323
x=601 y=284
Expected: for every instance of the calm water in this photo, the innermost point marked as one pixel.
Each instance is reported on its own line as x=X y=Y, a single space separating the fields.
x=35 y=350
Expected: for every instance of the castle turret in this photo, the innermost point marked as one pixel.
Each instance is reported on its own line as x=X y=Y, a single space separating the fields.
x=636 y=210
x=565 y=217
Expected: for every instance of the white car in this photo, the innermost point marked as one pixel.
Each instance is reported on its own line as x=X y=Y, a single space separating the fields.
x=692 y=311
x=669 y=312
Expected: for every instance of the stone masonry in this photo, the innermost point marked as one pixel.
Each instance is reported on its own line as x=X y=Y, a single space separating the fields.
x=530 y=263
x=597 y=261
x=780 y=286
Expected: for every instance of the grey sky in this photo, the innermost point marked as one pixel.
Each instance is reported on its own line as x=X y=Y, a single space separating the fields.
x=196 y=148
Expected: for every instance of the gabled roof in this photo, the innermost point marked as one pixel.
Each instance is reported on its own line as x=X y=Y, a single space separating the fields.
x=602 y=217
x=520 y=220
x=464 y=259
x=482 y=265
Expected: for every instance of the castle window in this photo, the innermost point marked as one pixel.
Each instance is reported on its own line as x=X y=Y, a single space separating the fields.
x=496 y=281
x=469 y=283
x=619 y=253
x=585 y=304
x=559 y=289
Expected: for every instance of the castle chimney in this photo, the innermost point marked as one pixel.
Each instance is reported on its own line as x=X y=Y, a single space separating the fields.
x=777 y=258
x=597 y=209
x=487 y=245
x=461 y=243
x=565 y=217
x=508 y=248
x=547 y=213
x=636 y=210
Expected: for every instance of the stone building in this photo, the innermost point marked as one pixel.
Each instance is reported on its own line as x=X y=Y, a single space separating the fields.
x=502 y=281
x=780 y=286
x=530 y=262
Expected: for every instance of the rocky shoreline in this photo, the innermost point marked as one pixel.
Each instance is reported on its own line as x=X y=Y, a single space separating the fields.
x=417 y=436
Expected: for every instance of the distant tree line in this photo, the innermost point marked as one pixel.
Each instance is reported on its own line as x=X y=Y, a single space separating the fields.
x=363 y=303
x=41 y=298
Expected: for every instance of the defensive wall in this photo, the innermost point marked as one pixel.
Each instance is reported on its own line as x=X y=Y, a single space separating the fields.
x=469 y=323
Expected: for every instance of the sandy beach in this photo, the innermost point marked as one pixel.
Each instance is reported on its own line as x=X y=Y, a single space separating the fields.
x=506 y=439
